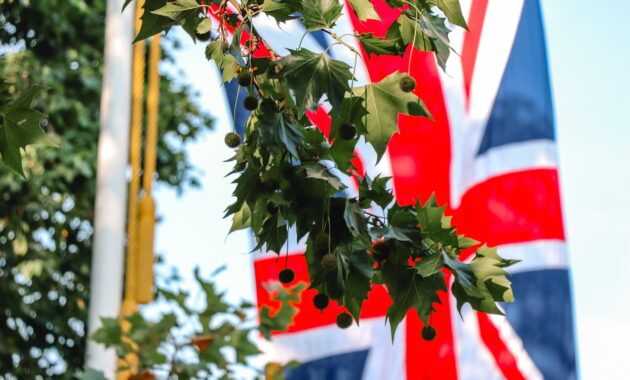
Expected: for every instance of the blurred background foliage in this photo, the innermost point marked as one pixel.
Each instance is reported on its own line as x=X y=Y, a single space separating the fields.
x=46 y=221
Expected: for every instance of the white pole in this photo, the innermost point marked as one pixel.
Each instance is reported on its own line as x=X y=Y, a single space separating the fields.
x=106 y=285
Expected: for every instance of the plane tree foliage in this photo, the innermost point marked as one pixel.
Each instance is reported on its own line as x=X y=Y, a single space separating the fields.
x=288 y=174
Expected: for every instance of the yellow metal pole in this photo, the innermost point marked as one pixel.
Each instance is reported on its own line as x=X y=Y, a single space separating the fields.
x=129 y=305
x=144 y=289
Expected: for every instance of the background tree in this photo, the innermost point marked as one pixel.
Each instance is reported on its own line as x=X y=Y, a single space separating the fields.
x=199 y=336
x=46 y=222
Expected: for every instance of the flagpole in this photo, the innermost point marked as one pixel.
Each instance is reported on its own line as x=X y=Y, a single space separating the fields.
x=106 y=284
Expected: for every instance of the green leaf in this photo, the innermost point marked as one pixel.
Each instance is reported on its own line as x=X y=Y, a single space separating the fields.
x=426 y=31
x=430 y=265
x=360 y=271
x=410 y=290
x=152 y=23
x=204 y=26
x=375 y=190
x=355 y=219
x=452 y=10
x=110 y=333
x=241 y=219
x=245 y=187
x=385 y=100
x=177 y=9
x=364 y=10
x=281 y=12
x=311 y=75
x=280 y=318
x=20 y=127
x=434 y=224
x=380 y=46
x=320 y=14
x=352 y=111
x=243 y=347
x=90 y=374
x=491 y=283
x=318 y=171
x=214 y=299
x=435 y=27
x=225 y=62
x=275 y=130
x=464 y=242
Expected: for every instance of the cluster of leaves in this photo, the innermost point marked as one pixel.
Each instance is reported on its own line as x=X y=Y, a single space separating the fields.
x=193 y=339
x=289 y=172
x=46 y=222
x=19 y=125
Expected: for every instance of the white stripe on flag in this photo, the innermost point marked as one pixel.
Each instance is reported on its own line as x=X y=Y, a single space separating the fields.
x=495 y=45
x=474 y=360
x=467 y=126
x=524 y=362
x=385 y=359
x=510 y=158
x=536 y=255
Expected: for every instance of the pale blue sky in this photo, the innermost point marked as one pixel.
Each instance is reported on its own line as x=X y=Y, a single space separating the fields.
x=589 y=55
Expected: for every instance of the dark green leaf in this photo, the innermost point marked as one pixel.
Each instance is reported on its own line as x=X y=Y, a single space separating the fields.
x=410 y=290
x=276 y=130
x=452 y=10
x=434 y=224
x=430 y=265
x=311 y=75
x=151 y=23
x=379 y=46
x=178 y=9
x=20 y=127
x=355 y=219
x=90 y=374
x=358 y=285
x=320 y=14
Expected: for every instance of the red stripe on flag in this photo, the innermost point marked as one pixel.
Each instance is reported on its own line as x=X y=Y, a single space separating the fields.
x=506 y=361
x=512 y=208
x=308 y=316
x=420 y=156
x=433 y=360
x=471 y=41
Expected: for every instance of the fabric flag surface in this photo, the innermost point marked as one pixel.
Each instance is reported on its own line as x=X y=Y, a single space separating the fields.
x=489 y=153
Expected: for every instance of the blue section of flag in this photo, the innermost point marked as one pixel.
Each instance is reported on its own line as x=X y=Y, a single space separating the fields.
x=348 y=366
x=543 y=319
x=523 y=109
x=236 y=97
x=320 y=37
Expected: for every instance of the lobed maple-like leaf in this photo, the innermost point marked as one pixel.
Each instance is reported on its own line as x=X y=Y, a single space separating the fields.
x=21 y=127
x=320 y=14
x=384 y=101
x=311 y=75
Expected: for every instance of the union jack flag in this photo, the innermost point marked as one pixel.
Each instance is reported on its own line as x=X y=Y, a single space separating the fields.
x=489 y=153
